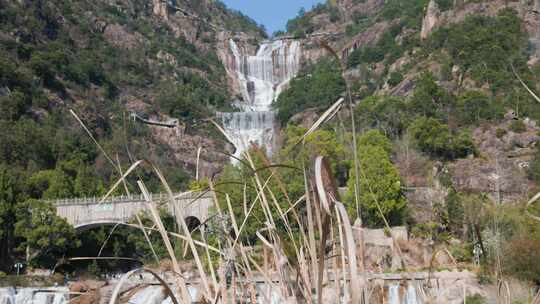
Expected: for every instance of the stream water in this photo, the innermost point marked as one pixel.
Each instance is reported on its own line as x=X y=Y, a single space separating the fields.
x=262 y=77
x=33 y=295
x=156 y=295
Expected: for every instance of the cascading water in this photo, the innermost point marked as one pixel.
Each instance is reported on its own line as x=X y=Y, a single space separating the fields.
x=262 y=78
x=409 y=297
x=393 y=294
x=33 y=296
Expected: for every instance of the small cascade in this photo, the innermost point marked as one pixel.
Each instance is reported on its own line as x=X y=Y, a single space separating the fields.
x=262 y=77
x=409 y=296
x=33 y=296
x=149 y=295
x=393 y=294
x=156 y=295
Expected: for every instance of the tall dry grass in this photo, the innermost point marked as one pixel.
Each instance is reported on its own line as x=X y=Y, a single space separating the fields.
x=326 y=259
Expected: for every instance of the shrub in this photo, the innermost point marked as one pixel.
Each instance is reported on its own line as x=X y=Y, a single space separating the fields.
x=500 y=133
x=473 y=107
x=385 y=113
x=518 y=126
x=430 y=99
x=379 y=184
x=318 y=86
x=475 y=299
x=395 y=79
x=435 y=139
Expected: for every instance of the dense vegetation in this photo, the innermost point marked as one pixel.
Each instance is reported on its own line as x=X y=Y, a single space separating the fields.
x=93 y=57
x=316 y=87
x=473 y=86
x=50 y=67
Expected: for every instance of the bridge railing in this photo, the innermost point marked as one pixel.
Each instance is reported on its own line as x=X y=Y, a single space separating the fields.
x=121 y=199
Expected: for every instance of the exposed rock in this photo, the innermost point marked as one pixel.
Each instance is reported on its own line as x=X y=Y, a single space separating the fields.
x=167 y=58
x=500 y=171
x=305 y=118
x=89 y=291
x=160 y=9
x=349 y=7
x=184 y=146
x=118 y=36
x=430 y=20
x=367 y=37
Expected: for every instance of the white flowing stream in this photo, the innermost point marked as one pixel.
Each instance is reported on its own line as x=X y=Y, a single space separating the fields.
x=409 y=296
x=156 y=295
x=33 y=295
x=262 y=77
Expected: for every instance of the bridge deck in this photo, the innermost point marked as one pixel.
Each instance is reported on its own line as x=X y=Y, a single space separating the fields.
x=89 y=212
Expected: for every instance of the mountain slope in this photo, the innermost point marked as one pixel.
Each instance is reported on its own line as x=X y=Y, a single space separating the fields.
x=106 y=60
x=438 y=76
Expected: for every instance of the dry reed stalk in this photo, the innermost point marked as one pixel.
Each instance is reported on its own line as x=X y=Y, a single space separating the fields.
x=326 y=116
x=335 y=258
x=356 y=162
x=525 y=85
x=161 y=281
x=183 y=225
x=529 y=203
x=198 y=159
x=139 y=222
x=311 y=233
x=220 y=129
x=342 y=252
x=107 y=239
x=209 y=259
x=164 y=236
x=93 y=139
x=241 y=247
x=176 y=235
x=357 y=284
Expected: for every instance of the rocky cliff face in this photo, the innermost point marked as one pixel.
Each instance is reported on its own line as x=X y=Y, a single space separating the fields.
x=501 y=171
x=527 y=10
x=431 y=19
x=156 y=58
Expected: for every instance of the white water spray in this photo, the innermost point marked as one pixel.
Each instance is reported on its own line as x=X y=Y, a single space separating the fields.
x=410 y=295
x=262 y=78
x=33 y=295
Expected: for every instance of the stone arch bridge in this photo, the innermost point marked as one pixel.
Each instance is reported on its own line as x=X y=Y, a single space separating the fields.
x=87 y=213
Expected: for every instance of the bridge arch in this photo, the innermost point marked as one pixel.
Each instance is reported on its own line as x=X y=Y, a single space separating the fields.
x=192 y=223
x=90 y=225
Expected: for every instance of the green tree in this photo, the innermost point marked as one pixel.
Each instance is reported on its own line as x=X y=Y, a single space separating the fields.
x=87 y=183
x=435 y=139
x=10 y=193
x=429 y=99
x=317 y=87
x=473 y=107
x=319 y=143
x=45 y=233
x=386 y=113
x=50 y=184
x=375 y=138
x=380 y=186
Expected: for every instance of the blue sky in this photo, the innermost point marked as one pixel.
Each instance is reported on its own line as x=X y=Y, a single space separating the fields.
x=273 y=14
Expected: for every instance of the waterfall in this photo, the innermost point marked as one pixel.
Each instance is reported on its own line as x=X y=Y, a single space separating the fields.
x=33 y=295
x=262 y=77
